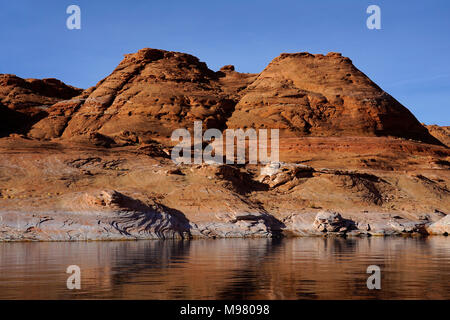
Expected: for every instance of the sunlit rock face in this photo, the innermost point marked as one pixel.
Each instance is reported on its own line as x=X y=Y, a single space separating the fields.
x=152 y=92
x=322 y=95
x=96 y=164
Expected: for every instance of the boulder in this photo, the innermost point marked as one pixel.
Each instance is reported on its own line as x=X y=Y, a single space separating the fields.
x=330 y=221
x=440 y=227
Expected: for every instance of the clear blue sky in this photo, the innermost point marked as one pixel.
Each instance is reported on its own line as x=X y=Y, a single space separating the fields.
x=409 y=57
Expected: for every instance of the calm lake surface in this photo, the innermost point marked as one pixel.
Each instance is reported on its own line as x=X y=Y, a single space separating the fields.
x=302 y=268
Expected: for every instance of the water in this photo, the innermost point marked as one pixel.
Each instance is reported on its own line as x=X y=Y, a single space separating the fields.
x=303 y=268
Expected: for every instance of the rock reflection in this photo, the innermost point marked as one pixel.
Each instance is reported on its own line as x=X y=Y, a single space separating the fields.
x=302 y=268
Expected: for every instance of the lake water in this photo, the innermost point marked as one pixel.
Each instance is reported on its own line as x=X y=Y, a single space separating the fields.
x=301 y=268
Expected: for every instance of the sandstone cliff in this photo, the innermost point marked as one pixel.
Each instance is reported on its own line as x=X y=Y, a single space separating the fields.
x=94 y=164
x=152 y=92
x=318 y=95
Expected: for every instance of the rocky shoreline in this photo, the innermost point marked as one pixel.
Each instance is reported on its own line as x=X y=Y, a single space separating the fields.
x=129 y=195
x=123 y=218
x=64 y=227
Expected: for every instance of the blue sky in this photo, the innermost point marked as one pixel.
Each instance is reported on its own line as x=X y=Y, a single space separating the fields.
x=409 y=57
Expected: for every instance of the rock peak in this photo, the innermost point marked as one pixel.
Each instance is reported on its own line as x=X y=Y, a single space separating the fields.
x=150 y=55
x=227 y=67
x=332 y=55
x=154 y=91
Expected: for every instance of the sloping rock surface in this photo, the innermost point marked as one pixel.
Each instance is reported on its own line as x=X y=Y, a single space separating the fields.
x=153 y=92
x=25 y=101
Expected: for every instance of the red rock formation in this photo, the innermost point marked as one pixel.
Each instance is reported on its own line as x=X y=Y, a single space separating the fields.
x=152 y=92
x=28 y=99
x=440 y=133
x=317 y=95
x=331 y=116
x=23 y=94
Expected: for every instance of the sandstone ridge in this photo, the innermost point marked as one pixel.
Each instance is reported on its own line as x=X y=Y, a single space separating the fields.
x=152 y=92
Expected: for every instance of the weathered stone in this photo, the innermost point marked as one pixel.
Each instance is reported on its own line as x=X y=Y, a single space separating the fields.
x=330 y=221
x=441 y=226
x=311 y=94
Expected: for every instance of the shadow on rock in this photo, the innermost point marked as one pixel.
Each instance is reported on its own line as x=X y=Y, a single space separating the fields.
x=143 y=220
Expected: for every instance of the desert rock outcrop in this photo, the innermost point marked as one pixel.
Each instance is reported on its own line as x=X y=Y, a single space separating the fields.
x=25 y=101
x=152 y=92
x=95 y=164
x=322 y=95
x=442 y=133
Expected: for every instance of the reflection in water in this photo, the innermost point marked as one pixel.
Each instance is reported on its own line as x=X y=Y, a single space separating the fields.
x=302 y=268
